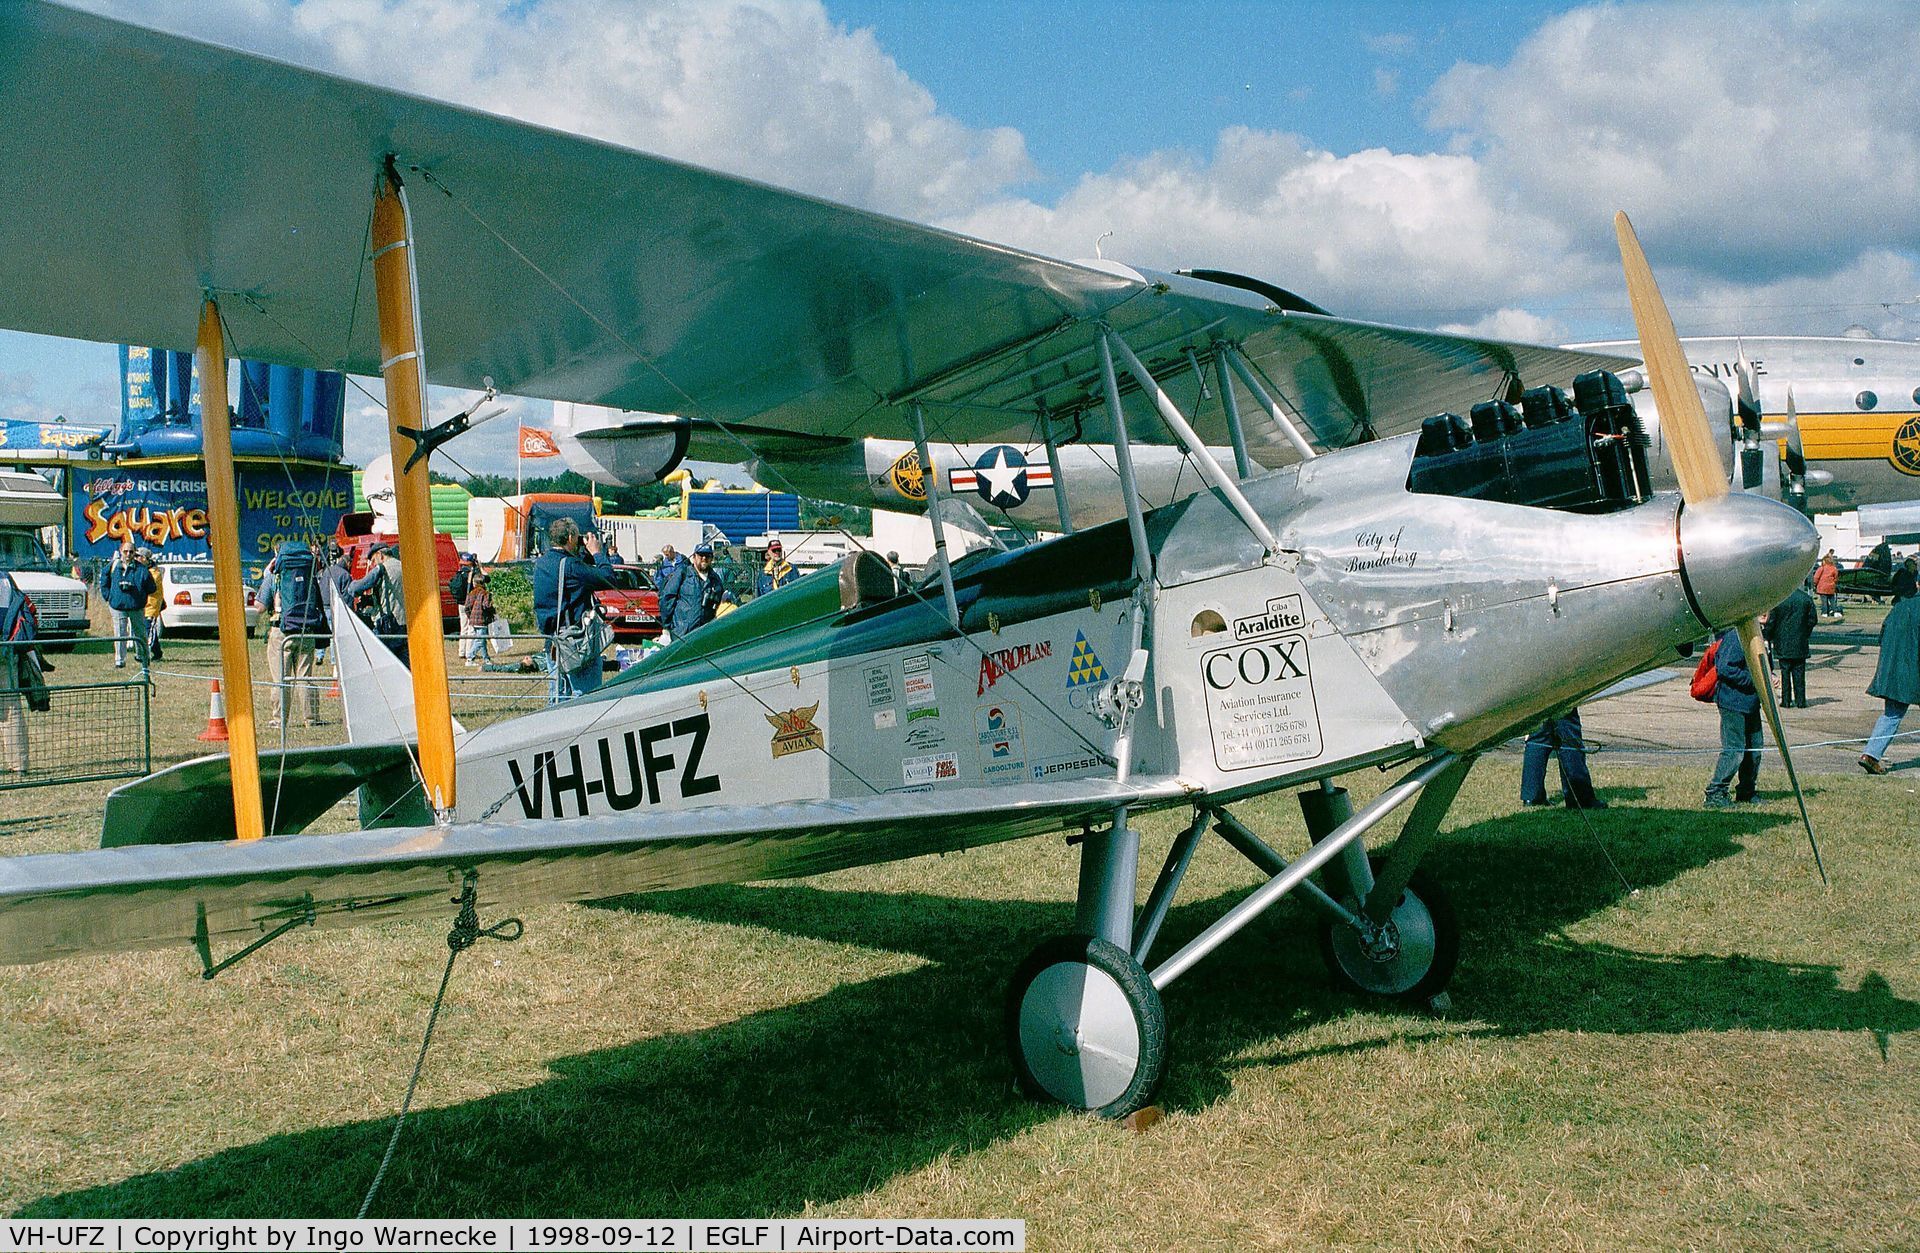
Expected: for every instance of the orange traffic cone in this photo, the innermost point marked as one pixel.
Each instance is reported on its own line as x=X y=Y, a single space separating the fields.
x=335 y=689
x=216 y=716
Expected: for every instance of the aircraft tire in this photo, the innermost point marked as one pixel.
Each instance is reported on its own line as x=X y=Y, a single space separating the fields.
x=1427 y=948
x=1085 y=1027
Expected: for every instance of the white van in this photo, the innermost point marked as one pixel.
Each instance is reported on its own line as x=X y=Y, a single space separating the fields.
x=27 y=503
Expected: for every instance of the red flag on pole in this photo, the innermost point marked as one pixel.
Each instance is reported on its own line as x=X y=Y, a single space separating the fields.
x=535 y=442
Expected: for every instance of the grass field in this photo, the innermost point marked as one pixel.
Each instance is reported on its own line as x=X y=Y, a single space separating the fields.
x=1717 y=1053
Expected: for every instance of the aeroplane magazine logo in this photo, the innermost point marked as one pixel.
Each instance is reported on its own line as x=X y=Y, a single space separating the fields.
x=635 y=768
x=1001 y=662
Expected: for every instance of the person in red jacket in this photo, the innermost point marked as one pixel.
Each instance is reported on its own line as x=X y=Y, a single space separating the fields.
x=1826 y=585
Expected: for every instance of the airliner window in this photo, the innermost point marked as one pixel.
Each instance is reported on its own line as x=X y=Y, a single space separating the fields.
x=1586 y=453
x=1866 y=400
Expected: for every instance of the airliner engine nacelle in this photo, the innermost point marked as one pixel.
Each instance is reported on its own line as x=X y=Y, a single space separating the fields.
x=618 y=449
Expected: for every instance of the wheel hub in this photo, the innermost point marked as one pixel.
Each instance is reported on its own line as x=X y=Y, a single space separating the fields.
x=1380 y=943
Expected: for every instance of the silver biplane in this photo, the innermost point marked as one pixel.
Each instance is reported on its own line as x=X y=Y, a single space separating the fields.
x=1404 y=603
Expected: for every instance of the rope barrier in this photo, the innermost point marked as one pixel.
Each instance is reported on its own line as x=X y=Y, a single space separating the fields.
x=466 y=932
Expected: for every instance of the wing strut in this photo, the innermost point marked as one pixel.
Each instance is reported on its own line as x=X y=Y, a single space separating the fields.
x=931 y=478
x=1272 y=406
x=1196 y=448
x=404 y=369
x=229 y=590
x=1059 y=479
x=1242 y=463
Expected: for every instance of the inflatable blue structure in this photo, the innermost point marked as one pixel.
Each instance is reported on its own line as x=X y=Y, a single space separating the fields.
x=284 y=411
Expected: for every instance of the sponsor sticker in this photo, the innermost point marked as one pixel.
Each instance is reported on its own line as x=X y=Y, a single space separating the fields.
x=1084 y=666
x=1003 y=753
x=885 y=719
x=794 y=731
x=923 y=737
x=879 y=685
x=1001 y=662
x=1066 y=767
x=1283 y=615
x=1260 y=704
x=918 y=674
x=931 y=768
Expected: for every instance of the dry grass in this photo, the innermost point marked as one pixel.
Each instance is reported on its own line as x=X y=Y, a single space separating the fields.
x=1725 y=1057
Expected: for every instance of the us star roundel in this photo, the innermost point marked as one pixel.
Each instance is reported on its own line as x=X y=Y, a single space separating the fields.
x=1002 y=477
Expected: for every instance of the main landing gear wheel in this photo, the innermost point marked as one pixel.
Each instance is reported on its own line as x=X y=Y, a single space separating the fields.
x=1411 y=958
x=1085 y=1027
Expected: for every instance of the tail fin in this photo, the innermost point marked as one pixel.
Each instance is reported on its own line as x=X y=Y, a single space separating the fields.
x=375 y=688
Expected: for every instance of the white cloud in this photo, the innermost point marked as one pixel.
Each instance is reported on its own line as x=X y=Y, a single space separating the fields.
x=1366 y=234
x=772 y=89
x=1515 y=324
x=1748 y=142
x=1386 y=82
x=20 y=398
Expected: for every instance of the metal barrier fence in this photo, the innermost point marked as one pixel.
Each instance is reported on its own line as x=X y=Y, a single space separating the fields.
x=60 y=732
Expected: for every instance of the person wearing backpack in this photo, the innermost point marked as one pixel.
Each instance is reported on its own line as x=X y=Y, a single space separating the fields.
x=1739 y=703
x=290 y=598
x=125 y=585
x=382 y=587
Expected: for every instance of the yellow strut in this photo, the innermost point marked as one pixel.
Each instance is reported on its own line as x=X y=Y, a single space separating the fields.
x=401 y=364
x=229 y=588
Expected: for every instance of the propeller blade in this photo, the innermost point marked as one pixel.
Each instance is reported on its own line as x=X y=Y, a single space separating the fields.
x=1683 y=420
x=1748 y=392
x=1793 y=462
x=1752 y=643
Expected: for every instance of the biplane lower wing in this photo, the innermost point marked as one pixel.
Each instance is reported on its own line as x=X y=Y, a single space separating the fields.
x=65 y=904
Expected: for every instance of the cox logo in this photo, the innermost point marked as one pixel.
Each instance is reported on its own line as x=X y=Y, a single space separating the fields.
x=1255 y=664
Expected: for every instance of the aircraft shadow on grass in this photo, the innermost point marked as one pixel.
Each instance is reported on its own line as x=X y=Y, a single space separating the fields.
x=829 y=1098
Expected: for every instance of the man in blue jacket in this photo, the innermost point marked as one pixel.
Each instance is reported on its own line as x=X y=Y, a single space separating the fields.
x=1739 y=703
x=564 y=580
x=125 y=585
x=691 y=594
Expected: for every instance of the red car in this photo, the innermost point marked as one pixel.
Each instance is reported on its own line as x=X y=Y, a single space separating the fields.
x=632 y=609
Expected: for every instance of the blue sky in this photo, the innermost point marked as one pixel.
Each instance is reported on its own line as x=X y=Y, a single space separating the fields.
x=1089 y=84
x=1431 y=164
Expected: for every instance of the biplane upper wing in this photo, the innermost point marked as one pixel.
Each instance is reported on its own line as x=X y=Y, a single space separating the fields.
x=148 y=169
x=63 y=904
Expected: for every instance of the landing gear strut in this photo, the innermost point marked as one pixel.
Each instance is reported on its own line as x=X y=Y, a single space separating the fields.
x=1084 y=1020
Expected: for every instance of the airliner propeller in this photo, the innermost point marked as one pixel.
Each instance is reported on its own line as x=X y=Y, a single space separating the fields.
x=1747 y=402
x=1793 y=462
x=1696 y=461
